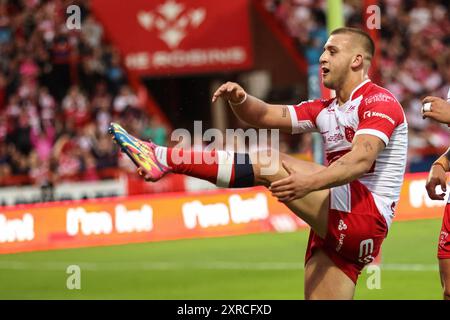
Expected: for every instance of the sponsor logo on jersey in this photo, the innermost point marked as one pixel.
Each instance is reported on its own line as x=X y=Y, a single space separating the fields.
x=341 y=227
x=379 y=97
x=340 y=242
x=369 y=114
x=333 y=138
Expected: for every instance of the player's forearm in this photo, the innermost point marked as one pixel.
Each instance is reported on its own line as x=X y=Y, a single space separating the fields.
x=444 y=160
x=348 y=168
x=252 y=111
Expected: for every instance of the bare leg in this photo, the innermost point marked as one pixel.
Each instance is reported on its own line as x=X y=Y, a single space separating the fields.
x=324 y=280
x=444 y=270
x=313 y=208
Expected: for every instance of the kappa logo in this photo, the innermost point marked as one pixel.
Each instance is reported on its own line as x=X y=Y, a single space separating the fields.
x=354 y=104
x=342 y=225
x=171 y=20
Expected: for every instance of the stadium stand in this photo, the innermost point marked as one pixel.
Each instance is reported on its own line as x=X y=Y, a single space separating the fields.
x=414 y=55
x=59 y=89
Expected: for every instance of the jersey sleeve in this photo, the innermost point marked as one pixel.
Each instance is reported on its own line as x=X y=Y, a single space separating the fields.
x=304 y=114
x=379 y=116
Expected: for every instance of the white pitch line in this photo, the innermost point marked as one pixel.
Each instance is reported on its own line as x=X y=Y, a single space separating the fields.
x=168 y=266
x=409 y=267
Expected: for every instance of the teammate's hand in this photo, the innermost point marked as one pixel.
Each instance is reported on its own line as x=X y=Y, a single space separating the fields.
x=230 y=91
x=440 y=109
x=295 y=186
x=436 y=177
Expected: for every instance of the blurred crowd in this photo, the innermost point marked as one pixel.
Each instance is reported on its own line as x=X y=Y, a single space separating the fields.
x=59 y=90
x=413 y=52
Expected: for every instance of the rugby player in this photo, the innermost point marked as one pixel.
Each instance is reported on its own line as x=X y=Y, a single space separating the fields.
x=439 y=110
x=349 y=204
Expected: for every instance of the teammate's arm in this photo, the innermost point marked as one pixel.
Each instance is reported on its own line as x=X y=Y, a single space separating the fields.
x=351 y=166
x=437 y=177
x=253 y=110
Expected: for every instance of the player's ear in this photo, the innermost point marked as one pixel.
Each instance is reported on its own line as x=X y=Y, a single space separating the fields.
x=358 y=61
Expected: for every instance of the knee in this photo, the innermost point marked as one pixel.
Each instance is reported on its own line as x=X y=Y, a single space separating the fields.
x=266 y=165
x=265 y=157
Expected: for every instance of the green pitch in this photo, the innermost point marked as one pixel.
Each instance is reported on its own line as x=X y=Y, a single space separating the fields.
x=262 y=266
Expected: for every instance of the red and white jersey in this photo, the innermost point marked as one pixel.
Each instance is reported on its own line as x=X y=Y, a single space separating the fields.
x=370 y=110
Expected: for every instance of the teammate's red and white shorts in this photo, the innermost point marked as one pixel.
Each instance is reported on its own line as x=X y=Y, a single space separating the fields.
x=356 y=229
x=444 y=236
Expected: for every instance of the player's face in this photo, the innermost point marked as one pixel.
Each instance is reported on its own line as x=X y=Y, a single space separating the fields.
x=335 y=61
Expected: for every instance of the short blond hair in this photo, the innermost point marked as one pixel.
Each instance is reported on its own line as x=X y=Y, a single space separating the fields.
x=366 y=41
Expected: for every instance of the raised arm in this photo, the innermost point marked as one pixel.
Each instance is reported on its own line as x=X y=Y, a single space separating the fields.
x=253 y=110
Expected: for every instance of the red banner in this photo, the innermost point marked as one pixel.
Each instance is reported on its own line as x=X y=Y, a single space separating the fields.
x=168 y=216
x=112 y=221
x=178 y=36
x=414 y=201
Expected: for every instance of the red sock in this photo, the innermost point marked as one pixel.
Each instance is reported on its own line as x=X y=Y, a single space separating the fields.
x=217 y=166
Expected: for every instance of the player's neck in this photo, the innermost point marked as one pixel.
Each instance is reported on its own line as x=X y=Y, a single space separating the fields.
x=343 y=94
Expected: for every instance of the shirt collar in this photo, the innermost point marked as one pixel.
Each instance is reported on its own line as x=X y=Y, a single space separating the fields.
x=353 y=97
x=358 y=87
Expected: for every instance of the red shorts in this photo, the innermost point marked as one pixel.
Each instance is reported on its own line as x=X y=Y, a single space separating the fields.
x=444 y=237
x=356 y=229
